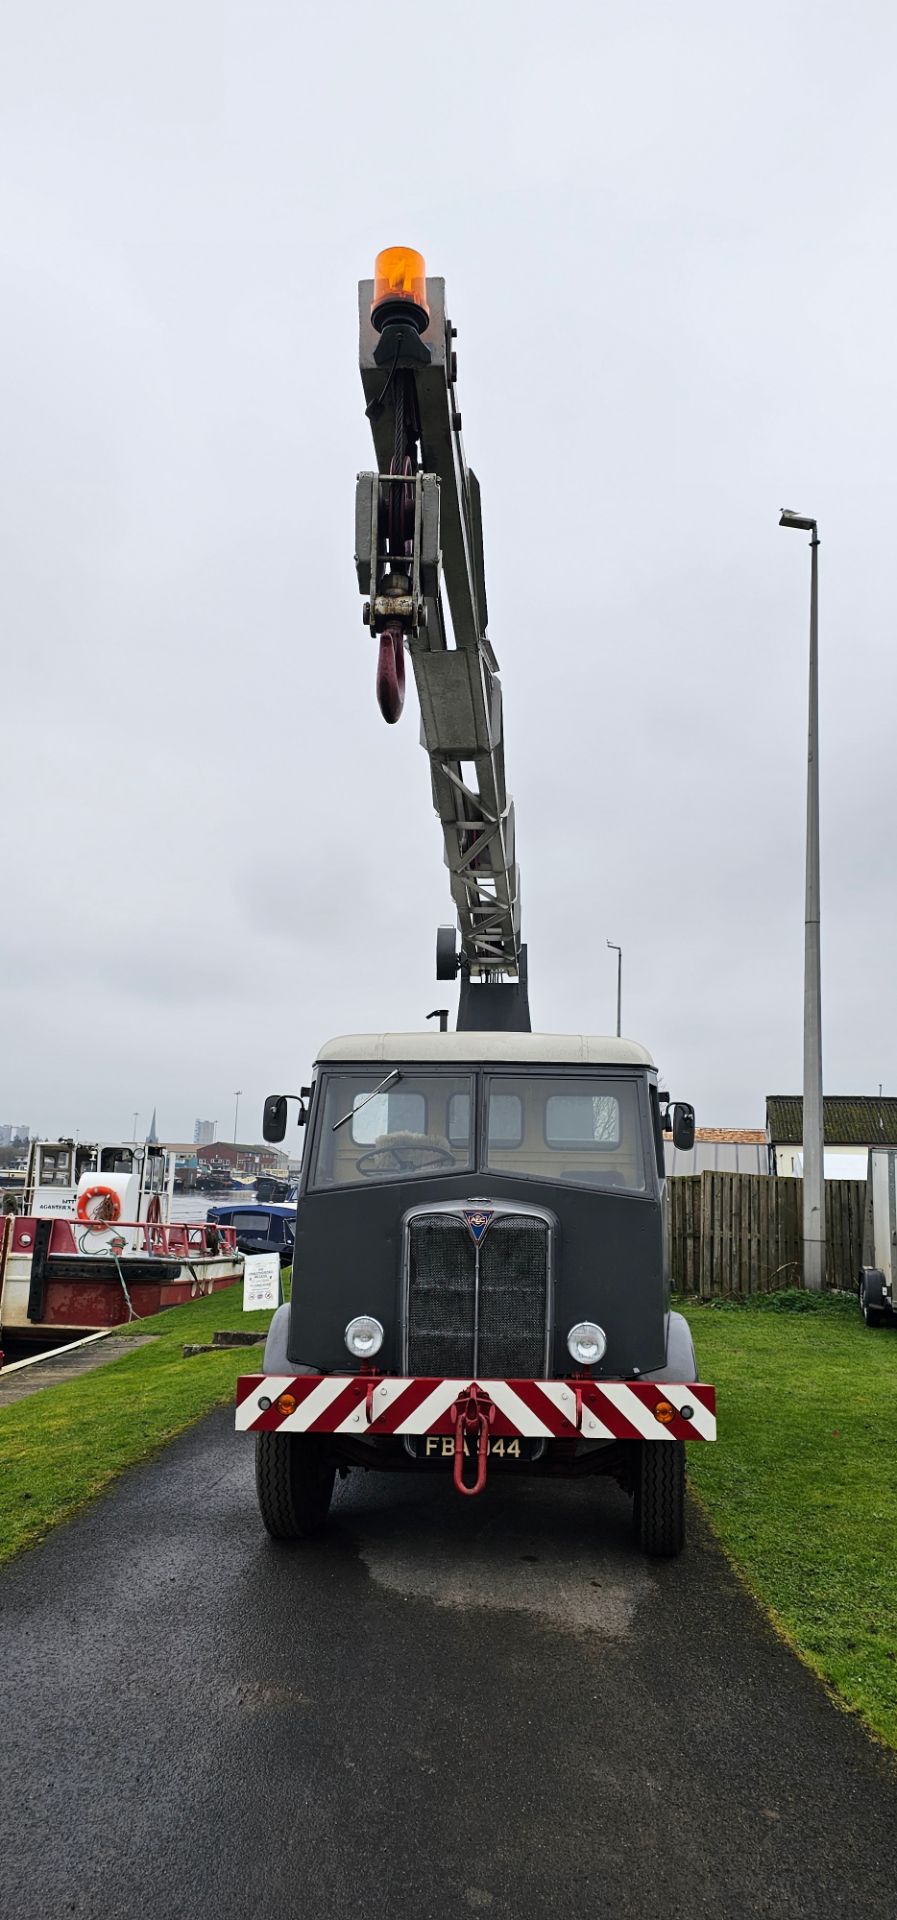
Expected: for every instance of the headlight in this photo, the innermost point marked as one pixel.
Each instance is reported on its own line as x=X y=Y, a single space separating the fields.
x=364 y=1337
x=587 y=1343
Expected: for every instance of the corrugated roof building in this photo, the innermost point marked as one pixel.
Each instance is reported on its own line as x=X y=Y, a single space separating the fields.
x=719 y=1150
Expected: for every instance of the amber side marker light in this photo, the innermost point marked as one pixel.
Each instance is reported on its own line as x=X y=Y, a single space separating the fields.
x=286 y=1403
x=400 y=288
x=664 y=1412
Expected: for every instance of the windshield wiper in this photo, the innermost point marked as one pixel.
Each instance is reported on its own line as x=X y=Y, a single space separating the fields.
x=390 y=1081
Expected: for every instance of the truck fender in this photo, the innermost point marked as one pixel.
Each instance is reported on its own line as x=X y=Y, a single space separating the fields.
x=680 y=1361
x=276 y=1360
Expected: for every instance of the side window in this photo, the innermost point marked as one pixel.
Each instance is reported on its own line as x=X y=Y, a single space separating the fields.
x=55 y=1167
x=387 y=1113
x=582 y=1120
x=459 y=1119
x=505 y=1120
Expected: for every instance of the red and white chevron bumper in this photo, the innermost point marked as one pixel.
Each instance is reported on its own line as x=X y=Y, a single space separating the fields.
x=363 y=1405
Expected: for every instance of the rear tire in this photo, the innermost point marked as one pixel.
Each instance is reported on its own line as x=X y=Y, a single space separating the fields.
x=294 y=1481
x=659 y=1512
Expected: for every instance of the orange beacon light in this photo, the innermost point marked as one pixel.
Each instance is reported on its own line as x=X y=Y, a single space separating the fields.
x=400 y=288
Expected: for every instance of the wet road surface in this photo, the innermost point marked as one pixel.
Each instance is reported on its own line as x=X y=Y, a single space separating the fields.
x=444 y=1708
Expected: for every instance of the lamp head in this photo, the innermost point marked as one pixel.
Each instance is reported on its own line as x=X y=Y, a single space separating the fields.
x=789 y=519
x=400 y=289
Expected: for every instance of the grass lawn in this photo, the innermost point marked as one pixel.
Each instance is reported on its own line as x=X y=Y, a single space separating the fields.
x=61 y=1446
x=801 y=1486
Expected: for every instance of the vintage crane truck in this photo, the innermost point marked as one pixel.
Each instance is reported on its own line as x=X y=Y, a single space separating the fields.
x=480 y=1281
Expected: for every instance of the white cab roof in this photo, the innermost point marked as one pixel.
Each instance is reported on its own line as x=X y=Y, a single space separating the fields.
x=510 y=1049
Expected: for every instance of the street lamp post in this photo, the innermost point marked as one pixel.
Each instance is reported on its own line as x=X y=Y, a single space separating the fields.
x=814 y=1169
x=237 y=1093
x=619 y=953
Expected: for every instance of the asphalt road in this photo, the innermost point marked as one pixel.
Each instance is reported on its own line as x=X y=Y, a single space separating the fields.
x=444 y=1708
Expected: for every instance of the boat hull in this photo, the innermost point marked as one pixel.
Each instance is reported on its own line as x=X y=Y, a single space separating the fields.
x=89 y=1295
x=75 y=1277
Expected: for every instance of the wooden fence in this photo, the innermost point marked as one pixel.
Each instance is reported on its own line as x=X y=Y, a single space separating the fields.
x=736 y=1233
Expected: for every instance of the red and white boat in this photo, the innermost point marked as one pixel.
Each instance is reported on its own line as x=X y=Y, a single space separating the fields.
x=94 y=1243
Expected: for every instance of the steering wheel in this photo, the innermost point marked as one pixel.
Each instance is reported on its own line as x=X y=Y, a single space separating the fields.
x=399 y=1162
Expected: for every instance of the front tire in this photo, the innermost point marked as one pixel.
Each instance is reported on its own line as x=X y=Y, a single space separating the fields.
x=659 y=1511
x=294 y=1482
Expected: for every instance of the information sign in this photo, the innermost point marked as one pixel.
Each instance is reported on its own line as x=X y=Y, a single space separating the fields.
x=261 y=1281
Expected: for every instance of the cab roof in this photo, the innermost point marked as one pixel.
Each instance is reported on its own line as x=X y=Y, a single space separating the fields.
x=509 y=1049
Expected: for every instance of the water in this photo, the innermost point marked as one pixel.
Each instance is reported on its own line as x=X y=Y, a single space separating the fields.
x=193 y=1207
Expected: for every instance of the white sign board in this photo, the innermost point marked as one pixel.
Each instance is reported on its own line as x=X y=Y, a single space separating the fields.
x=261 y=1281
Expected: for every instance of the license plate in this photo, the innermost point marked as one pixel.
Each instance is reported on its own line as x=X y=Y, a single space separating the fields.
x=437 y=1447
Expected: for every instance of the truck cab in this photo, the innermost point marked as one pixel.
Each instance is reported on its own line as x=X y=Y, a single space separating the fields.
x=480 y=1276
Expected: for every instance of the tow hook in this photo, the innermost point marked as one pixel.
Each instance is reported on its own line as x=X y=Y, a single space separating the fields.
x=473 y=1415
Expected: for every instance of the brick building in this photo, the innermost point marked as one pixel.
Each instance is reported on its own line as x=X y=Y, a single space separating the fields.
x=242 y=1159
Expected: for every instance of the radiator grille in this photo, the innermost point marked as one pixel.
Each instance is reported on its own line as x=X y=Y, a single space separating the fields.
x=441 y=1289
x=442 y=1295
x=513 y=1280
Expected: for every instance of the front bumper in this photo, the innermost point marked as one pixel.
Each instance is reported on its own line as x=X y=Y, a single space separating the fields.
x=368 y=1405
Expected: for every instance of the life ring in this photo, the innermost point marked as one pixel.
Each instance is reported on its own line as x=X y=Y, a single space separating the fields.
x=108 y=1210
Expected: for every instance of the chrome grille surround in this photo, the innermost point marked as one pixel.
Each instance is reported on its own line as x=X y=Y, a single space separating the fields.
x=482 y=1309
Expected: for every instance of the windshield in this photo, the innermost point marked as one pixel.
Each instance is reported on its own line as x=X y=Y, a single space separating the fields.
x=418 y=1126
x=581 y=1131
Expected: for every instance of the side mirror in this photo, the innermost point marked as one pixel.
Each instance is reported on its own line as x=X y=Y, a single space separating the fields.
x=274 y=1118
x=683 y=1126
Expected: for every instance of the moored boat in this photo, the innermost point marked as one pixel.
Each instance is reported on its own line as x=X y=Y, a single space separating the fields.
x=270 y=1186
x=93 y=1244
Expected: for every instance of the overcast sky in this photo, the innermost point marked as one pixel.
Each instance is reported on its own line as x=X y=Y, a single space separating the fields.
x=668 y=242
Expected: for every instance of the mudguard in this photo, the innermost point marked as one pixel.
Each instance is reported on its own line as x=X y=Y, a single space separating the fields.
x=276 y=1343
x=681 y=1363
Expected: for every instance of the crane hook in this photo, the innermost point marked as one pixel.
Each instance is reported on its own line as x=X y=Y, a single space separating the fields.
x=391 y=674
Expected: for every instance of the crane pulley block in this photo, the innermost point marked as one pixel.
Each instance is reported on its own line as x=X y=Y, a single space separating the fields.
x=398 y=585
